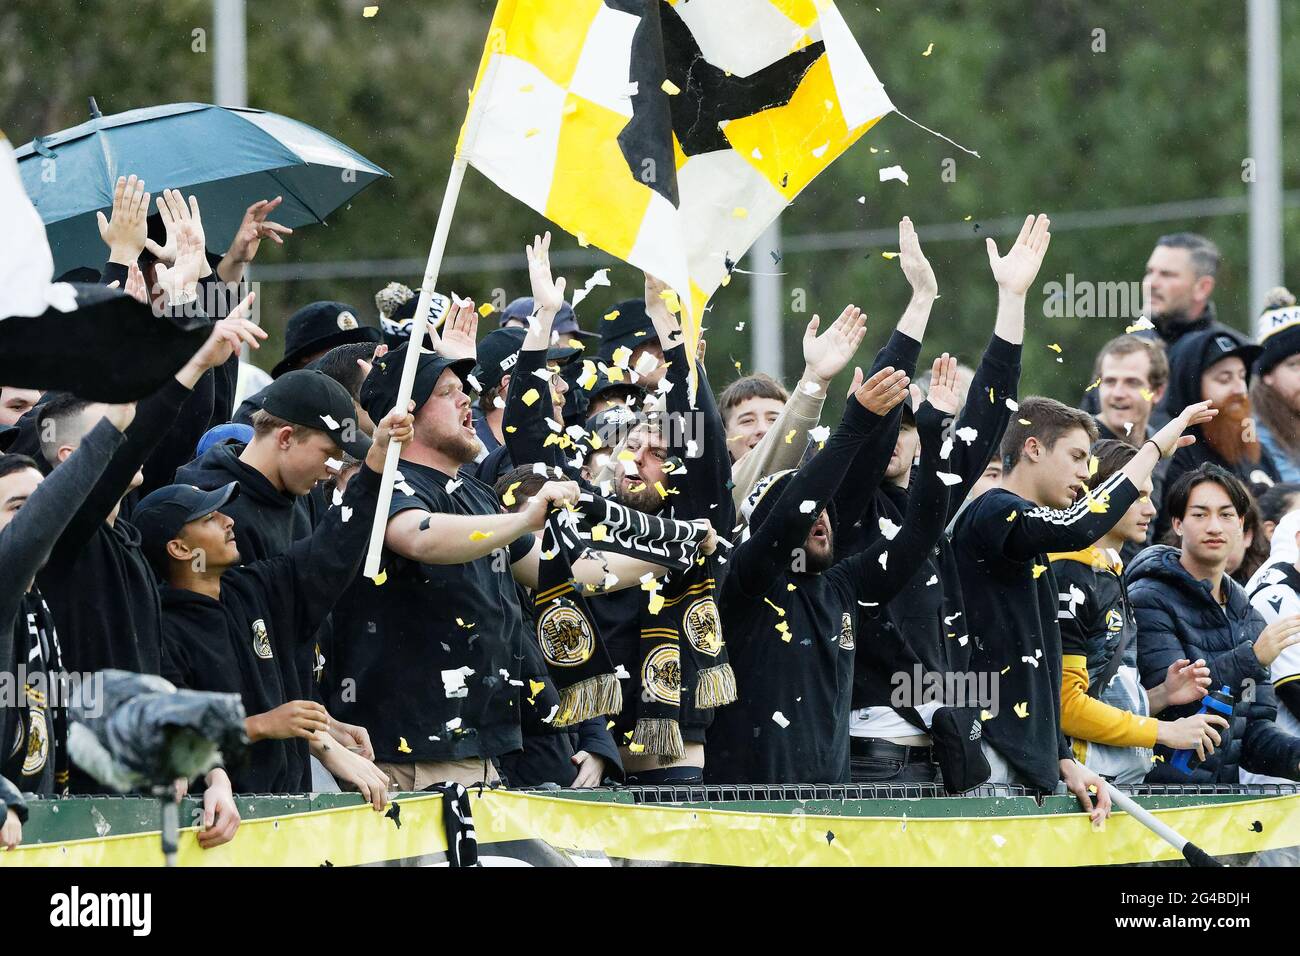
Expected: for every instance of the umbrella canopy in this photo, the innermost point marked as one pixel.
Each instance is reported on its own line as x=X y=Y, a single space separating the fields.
x=228 y=158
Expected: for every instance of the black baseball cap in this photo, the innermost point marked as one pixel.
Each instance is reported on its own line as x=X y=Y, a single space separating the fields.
x=161 y=514
x=566 y=320
x=379 y=390
x=318 y=327
x=627 y=388
x=499 y=351
x=631 y=327
x=310 y=398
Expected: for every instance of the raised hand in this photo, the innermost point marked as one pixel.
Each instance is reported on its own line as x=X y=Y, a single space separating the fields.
x=254 y=228
x=126 y=232
x=229 y=335
x=179 y=284
x=883 y=391
x=396 y=426
x=916 y=267
x=548 y=293
x=665 y=322
x=826 y=355
x=1171 y=438
x=943 y=385
x=1277 y=637
x=1015 y=272
x=1185 y=682
x=557 y=494
x=459 y=331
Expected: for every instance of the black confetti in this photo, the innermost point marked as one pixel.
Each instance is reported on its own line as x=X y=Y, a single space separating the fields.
x=830 y=837
x=1257 y=827
x=395 y=813
x=776 y=257
x=424 y=525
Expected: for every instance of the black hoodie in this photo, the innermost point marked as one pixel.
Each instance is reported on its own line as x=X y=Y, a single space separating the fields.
x=1177 y=618
x=246 y=641
x=267 y=520
x=1189 y=358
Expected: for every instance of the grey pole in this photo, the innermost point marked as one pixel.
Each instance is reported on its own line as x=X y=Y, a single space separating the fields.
x=765 y=300
x=1262 y=30
x=230 y=81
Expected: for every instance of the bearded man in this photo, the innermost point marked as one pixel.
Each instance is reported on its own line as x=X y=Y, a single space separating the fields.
x=1215 y=365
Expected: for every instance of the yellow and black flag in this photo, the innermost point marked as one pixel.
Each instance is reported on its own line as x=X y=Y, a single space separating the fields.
x=669 y=133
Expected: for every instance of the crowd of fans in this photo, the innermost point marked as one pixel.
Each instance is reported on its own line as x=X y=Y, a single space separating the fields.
x=596 y=573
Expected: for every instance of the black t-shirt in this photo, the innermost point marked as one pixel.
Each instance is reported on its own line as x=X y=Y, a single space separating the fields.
x=395 y=642
x=1001 y=542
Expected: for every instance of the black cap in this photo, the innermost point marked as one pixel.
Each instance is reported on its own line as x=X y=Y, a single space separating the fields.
x=379 y=390
x=1193 y=354
x=629 y=388
x=631 y=327
x=499 y=351
x=311 y=398
x=319 y=327
x=161 y=514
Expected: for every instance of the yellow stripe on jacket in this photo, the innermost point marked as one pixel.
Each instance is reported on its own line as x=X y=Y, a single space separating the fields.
x=1085 y=718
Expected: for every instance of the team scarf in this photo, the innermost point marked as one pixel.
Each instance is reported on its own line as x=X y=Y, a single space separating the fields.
x=40 y=751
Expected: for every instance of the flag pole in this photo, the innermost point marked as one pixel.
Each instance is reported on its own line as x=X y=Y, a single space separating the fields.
x=420 y=321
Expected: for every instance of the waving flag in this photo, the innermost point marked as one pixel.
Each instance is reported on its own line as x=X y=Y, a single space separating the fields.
x=100 y=344
x=669 y=133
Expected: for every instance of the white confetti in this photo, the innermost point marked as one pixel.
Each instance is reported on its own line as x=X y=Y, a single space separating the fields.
x=453 y=724
x=453 y=684
x=934 y=579
x=600 y=277
x=946 y=449
x=780 y=719
x=347 y=514
x=646 y=364
x=807 y=506
x=948 y=478
x=893 y=172
x=1013 y=404
x=452 y=485
x=330 y=423
x=862 y=200
x=811 y=388
x=337 y=497
x=555 y=709
x=889 y=529
x=498 y=402
x=610 y=580
x=884 y=560
x=544 y=374
x=1128 y=428
x=621 y=672
x=949 y=620
x=473 y=382
x=1030 y=660
x=963 y=640
x=968 y=434
x=820 y=151
x=554 y=426
x=999 y=840
x=820 y=433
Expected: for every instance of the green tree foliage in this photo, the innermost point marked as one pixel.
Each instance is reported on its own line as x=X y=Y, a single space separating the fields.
x=1062 y=126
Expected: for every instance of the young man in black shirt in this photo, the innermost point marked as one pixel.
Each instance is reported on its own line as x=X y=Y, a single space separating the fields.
x=1001 y=541
x=235 y=628
x=924 y=629
x=791 y=615
x=445 y=601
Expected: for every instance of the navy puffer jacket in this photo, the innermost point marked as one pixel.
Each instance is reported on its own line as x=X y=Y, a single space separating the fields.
x=1178 y=617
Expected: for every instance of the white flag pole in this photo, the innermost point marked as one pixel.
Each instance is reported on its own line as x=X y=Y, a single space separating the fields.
x=420 y=321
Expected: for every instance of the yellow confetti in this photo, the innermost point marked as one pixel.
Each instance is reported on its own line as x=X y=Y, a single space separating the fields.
x=1038 y=570
x=609 y=725
x=985 y=715
x=740 y=212
x=626 y=455
x=582 y=240
x=636 y=748
x=790 y=435
x=1054 y=347
x=1093 y=385
x=535 y=687
x=531 y=133
x=966 y=219
x=1012 y=517
x=1025 y=421
x=595 y=442
x=486 y=309
x=1004 y=670
x=480 y=535
x=599 y=532
x=1098 y=506
x=369 y=11
x=511 y=429
x=380 y=578
x=1092 y=465
x=726 y=280
x=889 y=255
x=791 y=587
x=1148 y=395
x=570 y=108
x=530 y=397
x=669 y=87
x=991 y=398
x=509 y=496
x=526 y=88
x=402 y=746
x=873 y=149
x=1022 y=709
x=928 y=50
x=656 y=602
x=663 y=493
x=779 y=610
x=670 y=297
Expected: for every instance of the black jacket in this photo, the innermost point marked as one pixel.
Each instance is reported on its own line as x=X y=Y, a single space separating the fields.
x=245 y=642
x=1178 y=617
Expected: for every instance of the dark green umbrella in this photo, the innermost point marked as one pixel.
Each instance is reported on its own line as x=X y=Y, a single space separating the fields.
x=227 y=158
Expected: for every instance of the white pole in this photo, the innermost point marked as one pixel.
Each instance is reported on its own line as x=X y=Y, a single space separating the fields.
x=420 y=321
x=419 y=326
x=765 y=301
x=1262 y=27
x=230 y=64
